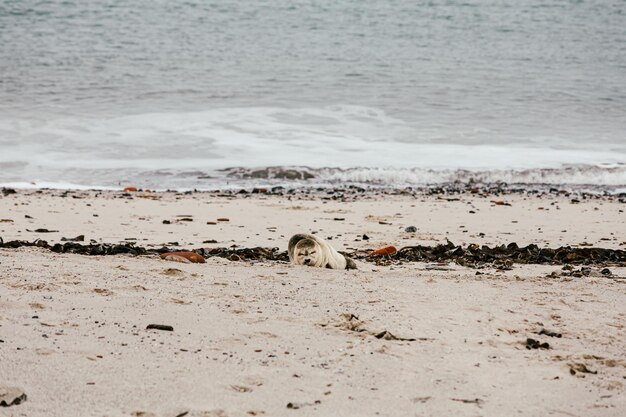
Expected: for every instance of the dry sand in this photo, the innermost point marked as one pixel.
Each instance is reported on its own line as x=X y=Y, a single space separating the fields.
x=270 y=339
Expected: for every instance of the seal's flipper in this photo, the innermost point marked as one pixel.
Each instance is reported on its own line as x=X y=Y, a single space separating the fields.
x=350 y=264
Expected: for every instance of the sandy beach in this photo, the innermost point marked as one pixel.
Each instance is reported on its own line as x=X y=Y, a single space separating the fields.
x=272 y=339
x=158 y=158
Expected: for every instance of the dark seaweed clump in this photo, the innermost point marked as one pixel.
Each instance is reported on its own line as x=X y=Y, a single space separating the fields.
x=504 y=256
x=473 y=255
x=129 y=248
x=247 y=254
x=91 y=249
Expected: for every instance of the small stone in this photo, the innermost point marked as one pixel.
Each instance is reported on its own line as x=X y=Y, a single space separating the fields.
x=535 y=344
x=411 y=229
x=164 y=327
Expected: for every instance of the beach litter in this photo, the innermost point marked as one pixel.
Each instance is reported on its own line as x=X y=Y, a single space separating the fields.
x=386 y=251
x=184 y=257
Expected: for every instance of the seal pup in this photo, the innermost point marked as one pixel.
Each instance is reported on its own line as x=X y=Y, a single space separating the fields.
x=311 y=250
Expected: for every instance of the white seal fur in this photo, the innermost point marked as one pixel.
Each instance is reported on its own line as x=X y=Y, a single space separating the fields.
x=311 y=250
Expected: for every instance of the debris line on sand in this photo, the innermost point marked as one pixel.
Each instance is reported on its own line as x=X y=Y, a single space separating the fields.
x=472 y=255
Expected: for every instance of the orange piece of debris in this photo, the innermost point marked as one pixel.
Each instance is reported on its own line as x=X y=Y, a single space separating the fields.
x=386 y=251
x=190 y=257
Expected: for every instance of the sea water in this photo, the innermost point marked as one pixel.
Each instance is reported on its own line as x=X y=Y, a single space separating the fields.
x=182 y=93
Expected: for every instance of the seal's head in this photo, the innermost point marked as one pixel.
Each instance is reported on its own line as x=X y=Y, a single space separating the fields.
x=308 y=252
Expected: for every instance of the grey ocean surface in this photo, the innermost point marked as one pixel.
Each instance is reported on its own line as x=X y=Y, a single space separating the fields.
x=168 y=93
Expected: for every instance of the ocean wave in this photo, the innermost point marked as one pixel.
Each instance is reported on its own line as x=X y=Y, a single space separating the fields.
x=612 y=175
x=306 y=146
x=344 y=136
x=572 y=175
x=609 y=178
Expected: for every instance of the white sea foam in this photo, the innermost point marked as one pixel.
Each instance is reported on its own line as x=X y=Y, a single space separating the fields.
x=361 y=144
x=38 y=185
x=571 y=175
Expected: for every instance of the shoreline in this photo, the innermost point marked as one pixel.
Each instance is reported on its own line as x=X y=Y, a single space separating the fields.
x=600 y=178
x=282 y=188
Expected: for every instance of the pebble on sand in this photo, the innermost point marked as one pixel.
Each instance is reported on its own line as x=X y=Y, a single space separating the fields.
x=164 y=327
